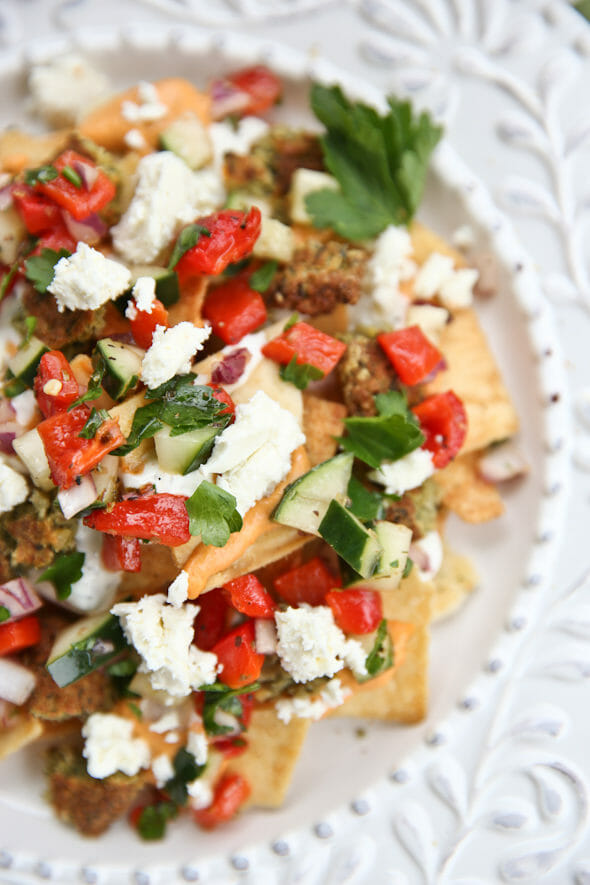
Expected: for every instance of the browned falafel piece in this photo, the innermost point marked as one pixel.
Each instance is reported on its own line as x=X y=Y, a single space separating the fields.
x=363 y=372
x=34 y=533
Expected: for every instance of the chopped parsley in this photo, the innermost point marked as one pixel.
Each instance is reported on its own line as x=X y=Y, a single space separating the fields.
x=40 y=269
x=4 y=613
x=40 y=175
x=94 y=389
x=262 y=278
x=380 y=657
x=153 y=819
x=64 y=571
x=188 y=237
x=365 y=504
x=379 y=161
x=300 y=374
x=186 y=770
x=72 y=176
x=220 y=697
x=395 y=432
x=212 y=514
x=95 y=421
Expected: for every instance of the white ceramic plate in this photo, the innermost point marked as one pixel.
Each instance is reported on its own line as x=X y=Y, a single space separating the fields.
x=342 y=777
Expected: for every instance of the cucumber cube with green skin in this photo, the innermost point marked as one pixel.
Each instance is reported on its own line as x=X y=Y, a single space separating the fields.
x=122 y=364
x=305 y=502
x=184 y=453
x=395 y=540
x=167 y=288
x=25 y=362
x=189 y=140
x=84 y=647
x=353 y=542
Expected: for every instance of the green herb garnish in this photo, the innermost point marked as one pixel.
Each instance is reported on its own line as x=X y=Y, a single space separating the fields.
x=365 y=504
x=300 y=374
x=30 y=326
x=262 y=278
x=40 y=175
x=94 y=389
x=188 y=237
x=219 y=696
x=153 y=820
x=408 y=567
x=380 y=657
x=4 y=613
x=64 y=571
x=40 y=269
x=186 y=770
x=212 y=514
x=72 y=176
x=95 y=421
x=395 y=432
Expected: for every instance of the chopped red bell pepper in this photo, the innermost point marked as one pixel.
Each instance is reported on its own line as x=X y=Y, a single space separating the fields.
x=223 y=396
x=229 y=747
x=57 y=238
x=308 y=345
x=230 y=793
x=306 y=583
x=162 y=518
x=257 y=87
x=236 y=651
x=19 y=634
x=70 y=455
x=410 y=353
x=443 y=421
x=357 y=610
x=250 y=597
x=143 y=325
x=234 y=310
x=55 y=386
x=38 y=213
x=213 y=618
x=90 y=193
x=121 y=554
x=232 y=235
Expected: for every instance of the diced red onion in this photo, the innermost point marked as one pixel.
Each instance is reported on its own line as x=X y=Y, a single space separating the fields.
x=8 y=434
x=5 y=197
x=265 y=636
x=227 y=99
x=19 y=598
x=16 y=682
x=87 y=172
x=77 y=497
x=89 y=230
x=231 y=368
x=7 y=411
x=502 y=462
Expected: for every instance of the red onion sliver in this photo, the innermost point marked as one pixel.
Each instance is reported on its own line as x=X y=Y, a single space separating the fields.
x=231 y=368
x=8 y=434
x=16 y=682
x=76 y=498
x=19 y=598
x=90 y=230
x=88 y=173
x=265 y=636
x=226 y=99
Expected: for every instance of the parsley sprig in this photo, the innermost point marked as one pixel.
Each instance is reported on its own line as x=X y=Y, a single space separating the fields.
x=188 y=237
x=300 y=374
x=40 y=269
x=219 y=697
x=395 y=432
x=64 y=571
x=212 y=514
x=379 y=161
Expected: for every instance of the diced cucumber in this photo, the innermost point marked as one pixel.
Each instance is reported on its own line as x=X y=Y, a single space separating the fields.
x=12 y=233
x=167 y=290
x=305 y=501
x=189 y=140
x=25 y=362
x=181 y=454
x=30 y=449
x=354 y=542
x=85 y=646
x=122 y=363
x=395 y=540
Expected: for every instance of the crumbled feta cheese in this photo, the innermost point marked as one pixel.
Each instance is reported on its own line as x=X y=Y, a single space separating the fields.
x=307 y=706
x=148 y=109
x=167 y=195
x=197 y=745
x=226 y=138
x=276 y=241
x=427 y=555
x=163 y=636
x=254 y=453
x=429 y=317
x=110 y=746
x=135 y=140
x=178 y=589
x=463 y=237
x=25 y=406
x=406 y=473
x=168 y=722
x=13 y=488
x=311 y=645
x=457 y=291
x=144 y=295
x=172 y=737
x=65 y=88
x=162 y=481
x=87 y=280
x=304 y=182
x=390 y=264
x=200 y=792
x=163 y=769
x=172 y=352
x=438 y=276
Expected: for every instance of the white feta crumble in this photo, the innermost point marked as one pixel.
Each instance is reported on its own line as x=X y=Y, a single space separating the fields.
x=110 y=746
x=95 y=590
x=427 y=555
x=457 y=291
x=87 y=280
x=170 y=721
x=25 y=406
x=406 y=473
x=253 y=454
x=197 y=745
x=63 y=89
x=312 y=707
x=163 y=769
x=174 y=483
x=167 y=196
x=172 y=737
x=438 y=276
x=200 y=792
x=430 y=318
x=163 y=636
x=149 y=107
x=178 y=589
x=463 y=237
x=171 y=352
x=310 y=645
x=14 y=488
x=135 y=140
x=226 y=138
x=144 y=295
x=390 y=265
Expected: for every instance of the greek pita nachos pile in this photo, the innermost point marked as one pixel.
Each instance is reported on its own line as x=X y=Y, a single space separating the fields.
x=242 y=389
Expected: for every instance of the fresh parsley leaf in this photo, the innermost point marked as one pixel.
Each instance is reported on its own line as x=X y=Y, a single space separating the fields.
x=153 y=820
x=4 y=613
x=135 y=710
x=379 y=161
x=30 y=326
x=294 y=318
x=365 y=504
x=408 y=567
x=395 y=432
x=262 y=278
x=94 y=389
x=40 y=269
x=218 y=696
x=186 y=770
x=72 y=176
x=380 y=657
x=64 y=571
x=300 y=374
x=95 y=421
x=41 y=174
x=188 y=237
x=212 y=514
x=124 y=667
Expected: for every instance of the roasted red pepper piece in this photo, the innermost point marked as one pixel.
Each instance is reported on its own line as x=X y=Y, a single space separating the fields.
x=143 y=325
x=229 y=795
x=232 y=235
x=234 y=310
x=237 y=652
x=443 y=421
x=121 y=554
x=223 y=397
x=80 y=201
x=162 y=518
x=410 y=353
x=258 y=87
x=250 y=597
x=356 y=610
x=38 y=213
x=308 y=345
x=19 y=634
x=55 y=385
x=306 y=583
x=212 y=620
x=68 y=454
